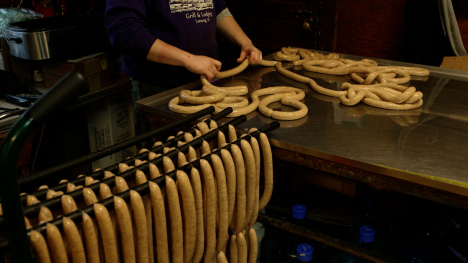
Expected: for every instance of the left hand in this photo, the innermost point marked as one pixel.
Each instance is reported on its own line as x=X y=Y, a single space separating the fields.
x=255 y=55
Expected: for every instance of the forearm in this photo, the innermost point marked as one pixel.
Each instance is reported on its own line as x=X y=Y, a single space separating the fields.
x=233 y=32
x=162 y=52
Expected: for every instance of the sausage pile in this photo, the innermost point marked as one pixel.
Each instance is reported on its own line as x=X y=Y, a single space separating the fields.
x=205 y=214
x=378 y=86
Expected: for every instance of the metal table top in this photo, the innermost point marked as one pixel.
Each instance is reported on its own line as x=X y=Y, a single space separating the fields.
x=427 y=146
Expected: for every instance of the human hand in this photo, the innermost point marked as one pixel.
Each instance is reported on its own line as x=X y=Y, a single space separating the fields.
x=203 y=65
x=255 y=55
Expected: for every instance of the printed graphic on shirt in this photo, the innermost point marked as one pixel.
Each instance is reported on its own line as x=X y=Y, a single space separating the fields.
x=200 y=17
x=190 y=5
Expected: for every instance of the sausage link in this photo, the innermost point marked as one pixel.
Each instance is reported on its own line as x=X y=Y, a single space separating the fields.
x=140 y=179
x=120 y=185
x=256 y=150
x=70 y=187
x=123 y=167
x=189 y=215
x=268 y=171
x=221 y=257
x=205 y=148
x=89 y=181
x=124 y=222
x=203 y=127
x=240 y=187
x=233 y=252
x=230 y=170
x=104 y=191
x=141 y=228
x=249 y=160
x=160 y=227
x=232 y=133
x=197 y=192
x=192 y=154
x=90 y=239
x=31 y=200
x=168 y=165
x=221 y=139
x=213 y=125
x=68 y=204
x=188 y=137
x=55 y=244
x=153 y=171
x=242 y=248
x=181 y=160
x=223 y=235
x=210 y=229
x=177 y=237
x=253 y=246
x=107 y=233
x=39 y=247
x=45 y=215
x=197 y=133
x=74 y=240
x=27 y=223
x=89 y=196
x=50 y=194
x=151 y=156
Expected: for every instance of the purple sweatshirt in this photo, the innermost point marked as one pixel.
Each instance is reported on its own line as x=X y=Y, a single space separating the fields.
x=134 y=25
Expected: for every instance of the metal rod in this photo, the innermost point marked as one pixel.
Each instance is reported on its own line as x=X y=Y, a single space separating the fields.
x=114 y=148
x=40 y=194
x=142 y=189
x=78 y=194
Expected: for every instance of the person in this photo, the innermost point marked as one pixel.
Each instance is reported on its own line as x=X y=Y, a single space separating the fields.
x=170 y=43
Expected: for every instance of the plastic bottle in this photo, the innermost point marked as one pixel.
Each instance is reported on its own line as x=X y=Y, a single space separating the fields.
x=366 y=239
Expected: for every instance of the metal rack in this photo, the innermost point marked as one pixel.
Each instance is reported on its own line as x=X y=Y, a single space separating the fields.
x=67 y=90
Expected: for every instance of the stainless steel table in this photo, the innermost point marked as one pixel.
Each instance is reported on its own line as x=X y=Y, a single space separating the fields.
x=427 y=147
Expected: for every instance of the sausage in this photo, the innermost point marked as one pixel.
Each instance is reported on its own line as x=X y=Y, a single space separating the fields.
x=205 y=148
x=50 y=194
x=253 y=246
x=234 y=71
x=168 y=165
x=89 y=196
x=210 y=89
x=181 y=160
x=141 y=228
x=107 y=233
x=120 y=185
x=57 y=249
x=70 y=187
x=256 y=151
x=203 y=127
x=137 y=162
x=31 y=200
x=268 y=171
x=210 y=210
x=233 y=252
x=74 y=240
x=196 y=97
x=197 y=133
x=240 y=187
x=232 y=133
x=223 y=235
x=140 y=179
x=221 y=139
x=221 y=257
x=189 y=215
x=27 y=223
x=39 y=247
x=213 y=125
x=65 y=180
x=188 y=137
x=192 y=154
x=153 y=171
x=160 y=228
x=108 y=174
x=42 y=187
x=241 y=247
x=180 y=143
x=58 y=193
x=89 y=181
x=104 y=191
x=68 y=204
x=177 y=237
x=251 y=183
x=127 y=244
x=90 y=239
x=151 y=156
x=123 y=167
x=197 y=192
x=45 y=215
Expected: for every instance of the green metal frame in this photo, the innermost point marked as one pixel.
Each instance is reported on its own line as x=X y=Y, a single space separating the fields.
x=9 y=190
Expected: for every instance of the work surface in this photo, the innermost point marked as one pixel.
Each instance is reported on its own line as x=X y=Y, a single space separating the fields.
x=427 y=146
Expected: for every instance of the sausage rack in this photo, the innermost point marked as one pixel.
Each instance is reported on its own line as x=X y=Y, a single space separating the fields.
x=63 y=93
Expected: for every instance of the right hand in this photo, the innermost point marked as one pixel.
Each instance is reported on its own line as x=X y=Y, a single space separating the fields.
x=203 y=65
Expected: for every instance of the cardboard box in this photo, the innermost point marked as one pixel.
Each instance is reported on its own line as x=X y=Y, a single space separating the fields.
x=95 y=82
x=110 y=121
x=88 y=66
x=460 y=63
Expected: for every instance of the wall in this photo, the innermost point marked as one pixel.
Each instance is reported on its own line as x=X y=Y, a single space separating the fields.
x=370 y=28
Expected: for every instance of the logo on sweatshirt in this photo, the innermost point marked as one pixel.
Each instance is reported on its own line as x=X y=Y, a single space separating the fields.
x=190 y=5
